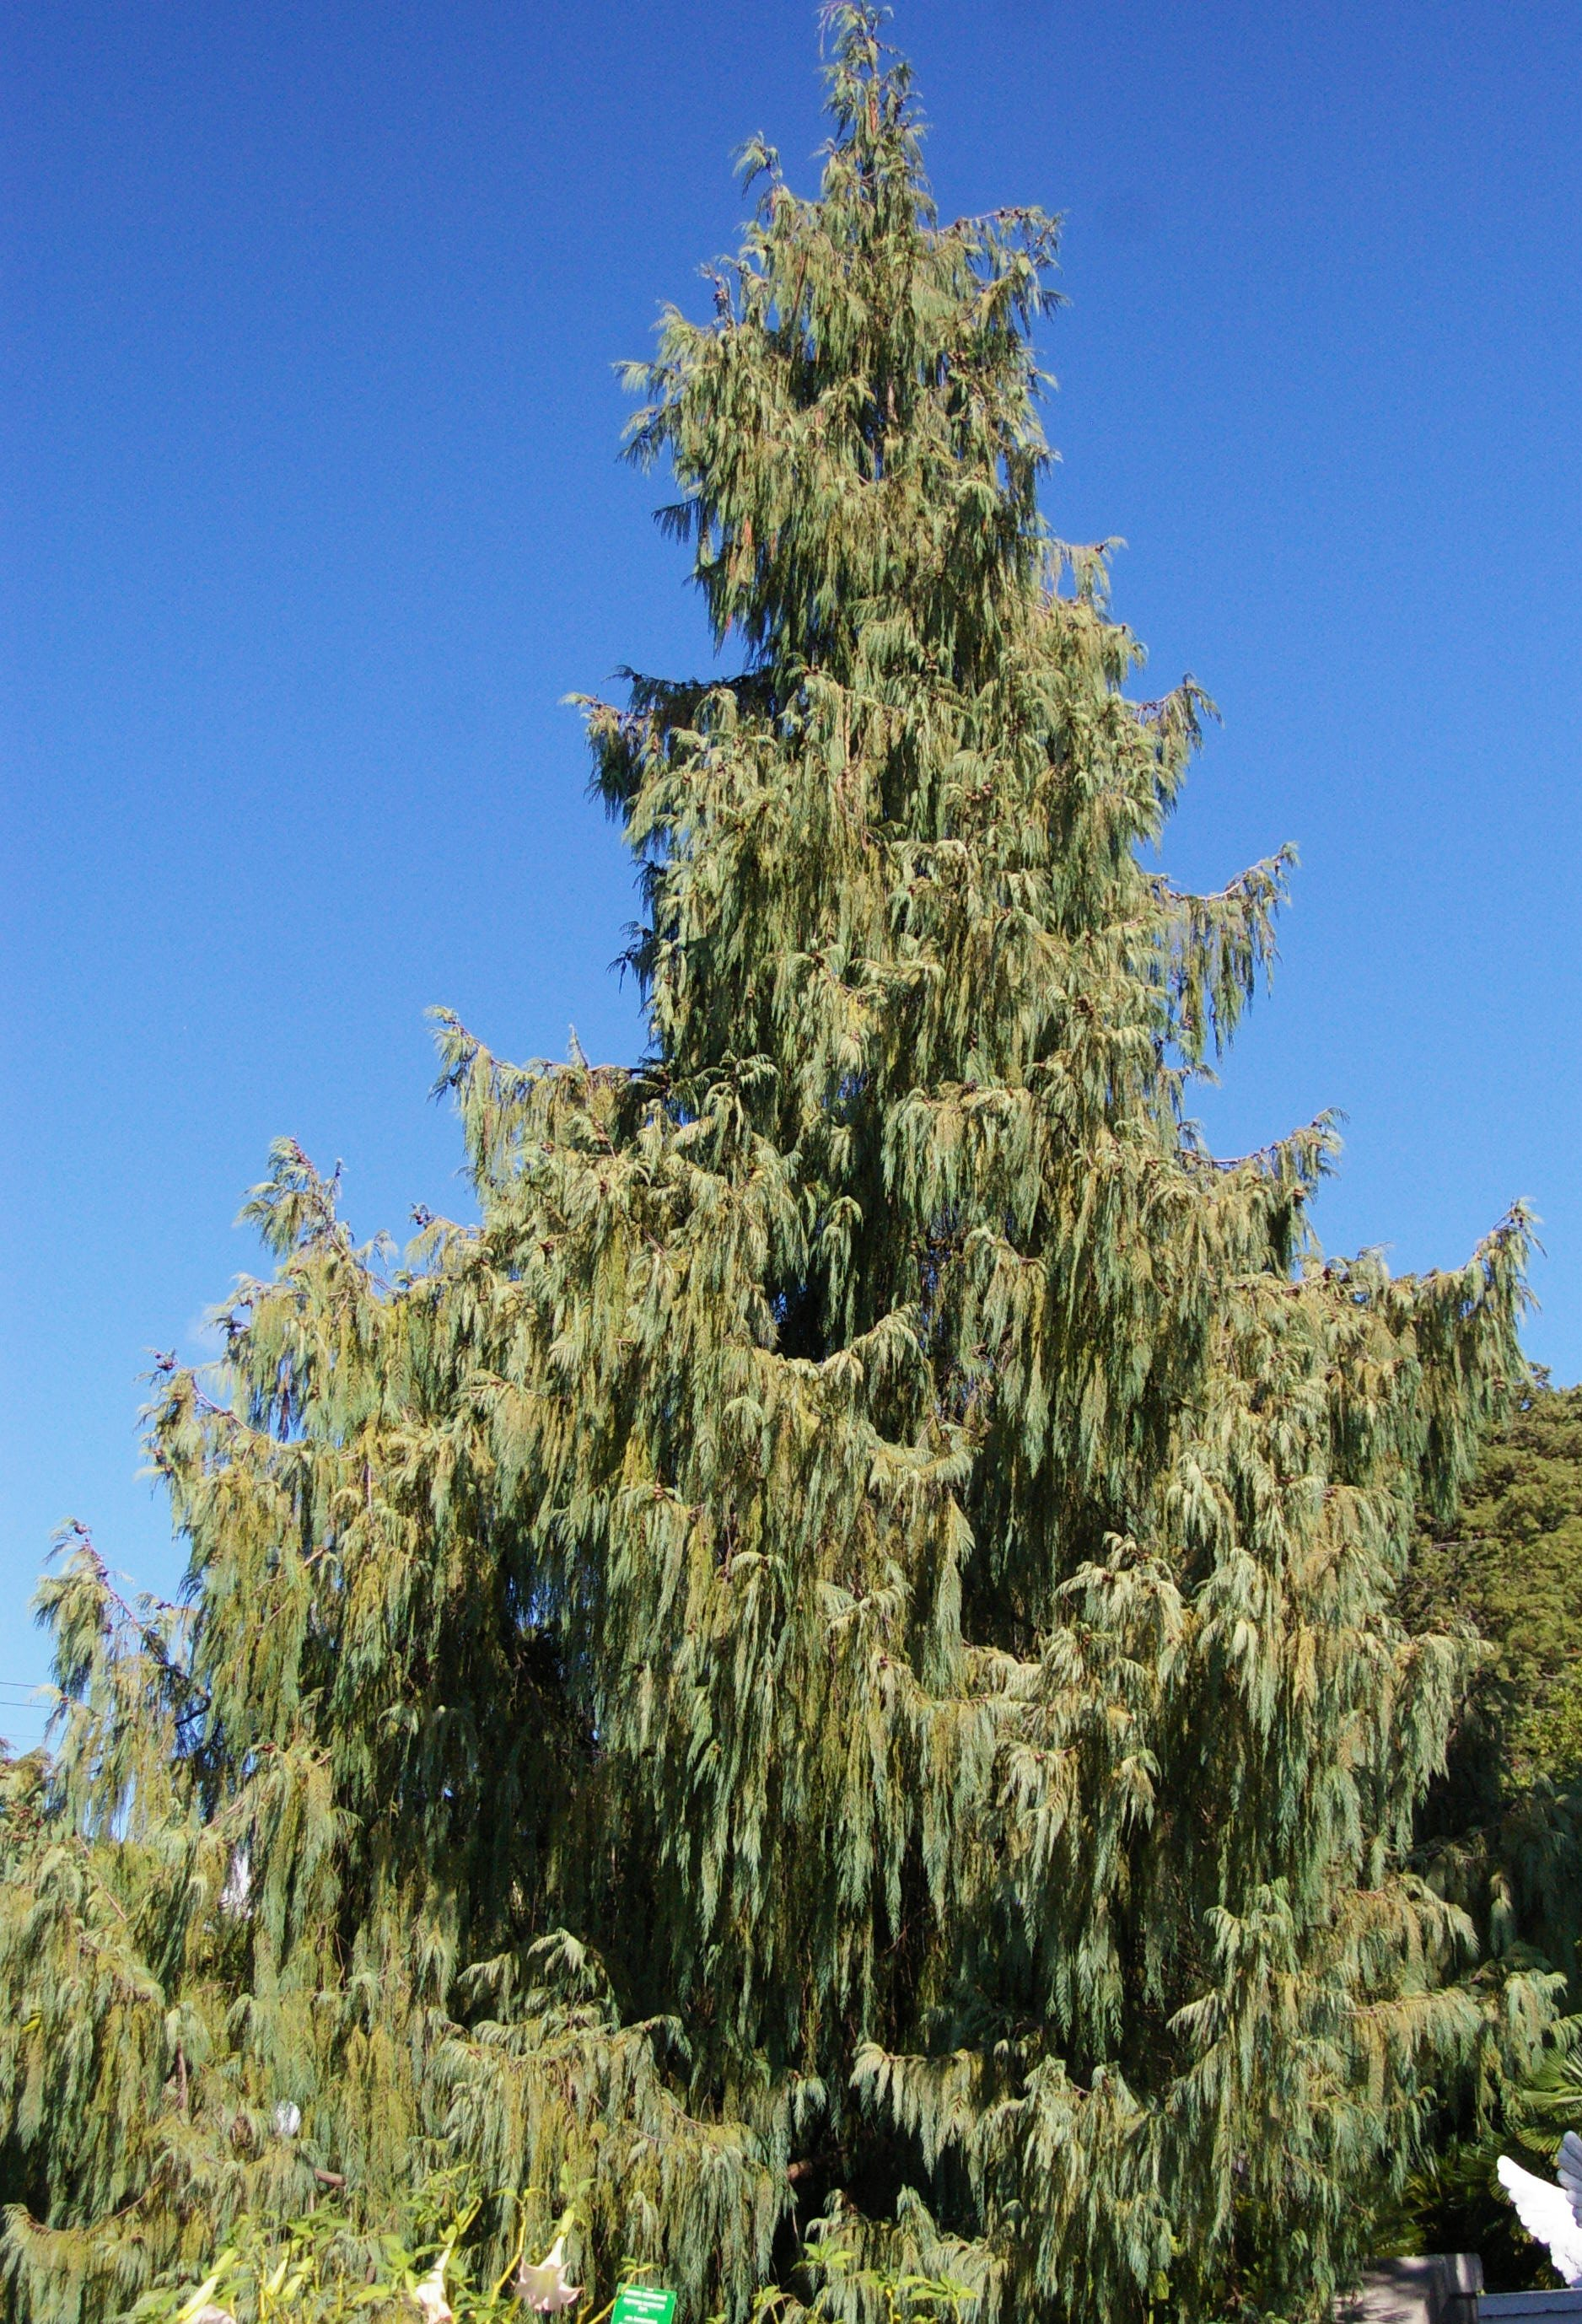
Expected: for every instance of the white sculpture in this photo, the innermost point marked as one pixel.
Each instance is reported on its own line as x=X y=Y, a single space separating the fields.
x=1551 y=2214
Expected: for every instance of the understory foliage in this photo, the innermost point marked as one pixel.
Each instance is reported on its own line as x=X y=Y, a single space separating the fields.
x=830 y=1673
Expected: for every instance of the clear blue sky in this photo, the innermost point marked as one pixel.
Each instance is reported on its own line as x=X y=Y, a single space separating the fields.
x=313 y=515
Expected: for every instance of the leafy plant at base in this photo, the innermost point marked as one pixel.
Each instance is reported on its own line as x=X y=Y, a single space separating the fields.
x=321 y=2269
x=830 y=1669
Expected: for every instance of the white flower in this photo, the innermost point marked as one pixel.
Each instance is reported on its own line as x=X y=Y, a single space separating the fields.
x=288 y=2119
x=544 y=2287
x=200 y=2309
x=429 y=2295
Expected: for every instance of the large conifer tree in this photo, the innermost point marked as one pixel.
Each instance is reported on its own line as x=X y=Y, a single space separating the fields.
x=828 y=1671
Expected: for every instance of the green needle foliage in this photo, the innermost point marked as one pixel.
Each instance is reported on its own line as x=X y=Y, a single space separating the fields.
x=831 y=1670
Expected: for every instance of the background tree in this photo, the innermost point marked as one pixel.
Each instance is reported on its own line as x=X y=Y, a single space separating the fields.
x=830 y=1673
x=1499 y=1832
x=1501 y=1821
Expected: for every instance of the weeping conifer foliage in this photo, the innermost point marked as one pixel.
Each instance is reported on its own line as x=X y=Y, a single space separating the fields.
x=829 y=1673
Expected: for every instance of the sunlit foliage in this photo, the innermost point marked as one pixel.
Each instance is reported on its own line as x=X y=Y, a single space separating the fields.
x=830 y=1670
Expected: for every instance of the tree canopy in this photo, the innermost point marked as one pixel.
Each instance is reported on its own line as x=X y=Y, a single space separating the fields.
x=829 y=1673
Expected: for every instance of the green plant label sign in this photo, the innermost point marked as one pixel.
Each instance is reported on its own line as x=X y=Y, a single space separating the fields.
x=644 y=2303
